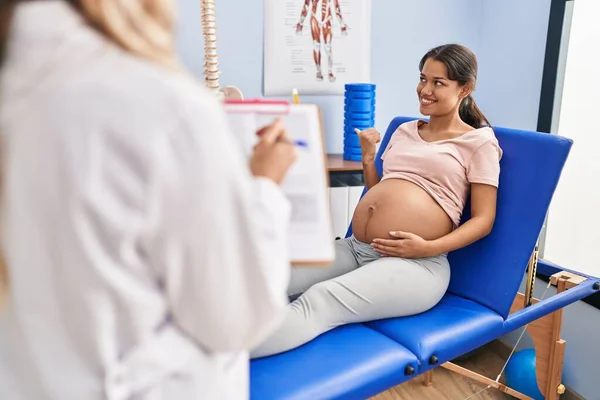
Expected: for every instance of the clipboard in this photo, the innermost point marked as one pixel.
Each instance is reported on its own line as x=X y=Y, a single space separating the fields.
x=307 y=181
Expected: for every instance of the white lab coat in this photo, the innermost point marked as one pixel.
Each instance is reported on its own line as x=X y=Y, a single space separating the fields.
x=145 y=260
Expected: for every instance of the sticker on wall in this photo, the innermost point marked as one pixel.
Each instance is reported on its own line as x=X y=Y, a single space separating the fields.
x=316 y=46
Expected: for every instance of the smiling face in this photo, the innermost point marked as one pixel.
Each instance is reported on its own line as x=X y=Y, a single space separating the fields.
x=438 y=95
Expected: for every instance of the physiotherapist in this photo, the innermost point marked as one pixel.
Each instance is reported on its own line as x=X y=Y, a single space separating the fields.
x=143 y=255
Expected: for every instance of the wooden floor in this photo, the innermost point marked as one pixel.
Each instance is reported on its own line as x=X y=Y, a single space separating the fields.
x=448 y=385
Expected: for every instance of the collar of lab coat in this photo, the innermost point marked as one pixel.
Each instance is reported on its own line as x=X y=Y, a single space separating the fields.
x=37 y=20
x=41 y=31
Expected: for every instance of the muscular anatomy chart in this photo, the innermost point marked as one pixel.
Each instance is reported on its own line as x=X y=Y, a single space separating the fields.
x=316 y=46
x=321 y=31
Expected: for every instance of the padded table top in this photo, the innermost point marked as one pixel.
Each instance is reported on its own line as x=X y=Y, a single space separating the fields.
x=453 y=327
x=349 y=362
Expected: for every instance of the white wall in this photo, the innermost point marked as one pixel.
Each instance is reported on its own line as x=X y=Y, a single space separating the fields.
x=511 y=58
x=508 y=40
x=403 y=32
x=572 y=234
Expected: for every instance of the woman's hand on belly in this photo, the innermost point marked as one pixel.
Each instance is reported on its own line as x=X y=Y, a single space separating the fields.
x=405 y=245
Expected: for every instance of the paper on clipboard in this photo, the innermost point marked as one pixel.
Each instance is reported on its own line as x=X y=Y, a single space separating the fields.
x=306 y=183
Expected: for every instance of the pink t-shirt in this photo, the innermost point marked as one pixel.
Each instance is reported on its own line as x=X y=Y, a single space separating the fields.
x=445 y=168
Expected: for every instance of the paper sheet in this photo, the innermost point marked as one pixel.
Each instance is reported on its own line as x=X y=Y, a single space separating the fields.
x=316 y=46
x=306 y=183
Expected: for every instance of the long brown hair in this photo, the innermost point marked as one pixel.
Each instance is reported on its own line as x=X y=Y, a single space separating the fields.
x=461 y=64
x=141 y=27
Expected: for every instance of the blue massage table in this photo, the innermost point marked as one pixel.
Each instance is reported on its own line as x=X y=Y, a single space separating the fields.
x=358 y=361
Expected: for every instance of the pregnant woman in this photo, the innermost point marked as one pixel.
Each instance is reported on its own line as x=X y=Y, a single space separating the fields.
x=395 y=264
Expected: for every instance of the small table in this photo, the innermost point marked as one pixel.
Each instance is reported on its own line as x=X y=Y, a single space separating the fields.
x=336 y=163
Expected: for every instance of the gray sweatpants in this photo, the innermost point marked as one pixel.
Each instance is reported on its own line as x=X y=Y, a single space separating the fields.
x=359 y=286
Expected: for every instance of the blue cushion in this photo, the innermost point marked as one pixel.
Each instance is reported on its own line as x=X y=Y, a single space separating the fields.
x=453 y=327
x=349 y=362
x=530 y=170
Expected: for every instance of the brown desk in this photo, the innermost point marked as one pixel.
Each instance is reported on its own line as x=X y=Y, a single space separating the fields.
x=336 y=163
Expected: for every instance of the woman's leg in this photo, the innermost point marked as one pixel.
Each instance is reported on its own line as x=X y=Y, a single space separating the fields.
x=385 y=288
x=348 y=257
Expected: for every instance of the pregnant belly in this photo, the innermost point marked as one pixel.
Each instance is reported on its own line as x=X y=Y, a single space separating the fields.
x=399 y=205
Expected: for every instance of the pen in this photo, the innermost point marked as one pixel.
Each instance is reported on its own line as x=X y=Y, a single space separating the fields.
x=295 y=96
x=300 y=143
x=295 y=142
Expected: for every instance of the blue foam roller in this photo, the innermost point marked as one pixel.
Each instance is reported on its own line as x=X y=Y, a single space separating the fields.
x=352 y=150
x=359 y=95
x=353 y=154
x=349 y=132
x=360 y=125
x=351 y=147
x=358 y=115
x=350 y=121
x=350 y=135
x=368 y=91
x=351 y=157
x=360 y=86
x=351 y=144
x=350 y=125
x=360 y=89
x=353 y=97
x=360 y=107
x=350 y=109
x=351 y=102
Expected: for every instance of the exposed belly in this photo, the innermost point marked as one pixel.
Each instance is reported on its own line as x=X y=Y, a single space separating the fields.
x=399 y=205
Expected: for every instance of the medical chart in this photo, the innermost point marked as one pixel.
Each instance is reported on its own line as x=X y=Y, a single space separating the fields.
x=316 y=46
x=306 y=183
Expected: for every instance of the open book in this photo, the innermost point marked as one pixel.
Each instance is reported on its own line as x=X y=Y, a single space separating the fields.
x=306 y=182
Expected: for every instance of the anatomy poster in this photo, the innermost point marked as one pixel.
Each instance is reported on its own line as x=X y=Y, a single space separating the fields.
x=316 y=46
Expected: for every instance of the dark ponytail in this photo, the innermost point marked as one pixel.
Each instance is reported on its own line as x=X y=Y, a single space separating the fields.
x=461 y=64
x=471 y=114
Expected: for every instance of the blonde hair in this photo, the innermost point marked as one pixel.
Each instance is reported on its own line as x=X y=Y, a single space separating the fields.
x=141 y=27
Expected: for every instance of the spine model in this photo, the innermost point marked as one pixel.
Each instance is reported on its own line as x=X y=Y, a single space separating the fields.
x=211 y=60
